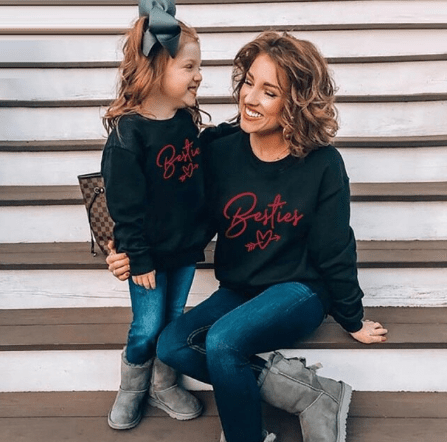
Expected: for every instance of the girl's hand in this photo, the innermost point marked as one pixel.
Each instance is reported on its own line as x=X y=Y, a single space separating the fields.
x=370 y=333
x=119 y=263
x=147 y=280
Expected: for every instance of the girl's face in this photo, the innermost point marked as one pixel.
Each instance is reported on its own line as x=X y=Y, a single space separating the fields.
x=182 y=77
x=261 y=98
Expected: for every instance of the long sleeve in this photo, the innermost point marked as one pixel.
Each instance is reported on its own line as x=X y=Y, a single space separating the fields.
x=332 y=248
x=127 y=201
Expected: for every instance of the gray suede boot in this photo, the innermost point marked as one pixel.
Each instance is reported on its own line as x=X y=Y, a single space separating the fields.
x=164 y=393
x=127 y=410
x=321 y=403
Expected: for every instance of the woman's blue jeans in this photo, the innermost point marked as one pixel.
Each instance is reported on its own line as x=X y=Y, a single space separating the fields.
x=217 y=342
x=154 y=309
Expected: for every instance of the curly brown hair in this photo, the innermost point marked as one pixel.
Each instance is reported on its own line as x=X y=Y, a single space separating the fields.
x=138 y=74
x=309 y=117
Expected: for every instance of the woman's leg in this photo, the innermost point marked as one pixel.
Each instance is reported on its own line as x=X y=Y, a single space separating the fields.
x=182 y=343
x=149 y=310
x=275 y=319
x=179 y=283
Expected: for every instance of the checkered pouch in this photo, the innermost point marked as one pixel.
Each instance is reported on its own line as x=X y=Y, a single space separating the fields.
x=101 y=224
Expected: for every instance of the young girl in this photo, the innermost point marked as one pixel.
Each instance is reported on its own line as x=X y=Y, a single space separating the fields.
x=152 y=167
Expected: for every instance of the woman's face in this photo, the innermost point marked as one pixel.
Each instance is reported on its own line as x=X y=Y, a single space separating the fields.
x=261 y=99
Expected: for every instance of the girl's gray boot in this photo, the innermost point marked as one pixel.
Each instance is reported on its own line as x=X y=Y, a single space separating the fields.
x=321 y=403
x=164 y=393
x=127 y=410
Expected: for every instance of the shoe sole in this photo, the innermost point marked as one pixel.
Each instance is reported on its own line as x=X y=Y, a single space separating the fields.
x=173 y=414
x=342 y=416
x=125 y=426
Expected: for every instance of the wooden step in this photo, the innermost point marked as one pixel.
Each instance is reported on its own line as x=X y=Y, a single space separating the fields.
x=82 y=416
x=71 y=195
x=403 y=142
x=229 y=17
x=344 y=46
x=386 y=119
x=106 y=329
x=354 y=82
x=371 y=254
x=222 y=62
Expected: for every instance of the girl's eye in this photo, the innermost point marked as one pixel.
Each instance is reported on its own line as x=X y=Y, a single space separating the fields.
x=270 y=94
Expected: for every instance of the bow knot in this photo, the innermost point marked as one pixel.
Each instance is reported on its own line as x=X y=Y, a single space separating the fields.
x=162 y=27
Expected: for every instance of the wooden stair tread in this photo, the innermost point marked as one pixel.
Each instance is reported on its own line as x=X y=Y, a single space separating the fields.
x=71 y=194
x=221 y=62
x=106 y=329
x=74 y=416
x=100 y=102
x=67 y=255
x=370 y=404
x=340 y=142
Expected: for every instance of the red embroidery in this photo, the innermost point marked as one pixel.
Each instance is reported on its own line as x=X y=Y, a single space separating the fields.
x=263 y=240
x=271 y=216
x=168 y=160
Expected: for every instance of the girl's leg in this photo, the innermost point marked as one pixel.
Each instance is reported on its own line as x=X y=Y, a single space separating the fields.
x=275 y=319
x=149 y=310
x=164 y=392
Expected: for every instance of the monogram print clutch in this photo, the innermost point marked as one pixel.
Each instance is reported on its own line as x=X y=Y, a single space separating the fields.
x=101 y=224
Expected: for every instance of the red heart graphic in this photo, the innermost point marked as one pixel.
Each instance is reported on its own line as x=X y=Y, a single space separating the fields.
x=264 y=239
x=188 y=170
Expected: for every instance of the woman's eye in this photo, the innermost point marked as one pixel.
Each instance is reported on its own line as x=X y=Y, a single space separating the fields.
x=270 y=94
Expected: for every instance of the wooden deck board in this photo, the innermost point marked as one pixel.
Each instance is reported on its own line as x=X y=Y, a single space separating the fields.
x=340 y=142
x=71 y=194
x=69 y=416
x=371 y=404
x=78 y=329
x=371 y=254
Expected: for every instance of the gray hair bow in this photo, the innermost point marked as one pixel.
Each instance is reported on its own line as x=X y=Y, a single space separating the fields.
x=162 y=27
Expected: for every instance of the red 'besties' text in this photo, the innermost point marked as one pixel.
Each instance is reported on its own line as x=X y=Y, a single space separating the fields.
x=168 y=159
x=267 y=217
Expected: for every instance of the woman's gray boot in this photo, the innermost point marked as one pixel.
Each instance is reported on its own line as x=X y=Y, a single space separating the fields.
x=321 y=403
x=127 y=410
x=164 y=393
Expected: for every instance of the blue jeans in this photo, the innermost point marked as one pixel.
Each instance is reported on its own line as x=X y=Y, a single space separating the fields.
x=217 y=342
x=154 y=309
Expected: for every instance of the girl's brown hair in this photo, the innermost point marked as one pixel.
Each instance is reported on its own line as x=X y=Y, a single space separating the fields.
x=140 y=74
x=309 y=117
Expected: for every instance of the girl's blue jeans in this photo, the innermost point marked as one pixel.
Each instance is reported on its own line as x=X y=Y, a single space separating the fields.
x=154 y=309
x=217 y=342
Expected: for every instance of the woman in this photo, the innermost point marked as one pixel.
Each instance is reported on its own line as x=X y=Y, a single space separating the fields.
x=285 y=254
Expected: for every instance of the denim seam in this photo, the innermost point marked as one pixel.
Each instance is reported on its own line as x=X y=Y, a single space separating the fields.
x=193 y=335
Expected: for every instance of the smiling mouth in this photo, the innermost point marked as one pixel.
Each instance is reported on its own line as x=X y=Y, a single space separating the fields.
x=252 y=114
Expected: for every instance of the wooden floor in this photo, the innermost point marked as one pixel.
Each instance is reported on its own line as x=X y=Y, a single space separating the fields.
x=81 y=417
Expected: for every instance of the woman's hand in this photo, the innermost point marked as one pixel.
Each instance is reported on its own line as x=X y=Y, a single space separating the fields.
x=119 y=263
x=370 y=333
x=147 y=280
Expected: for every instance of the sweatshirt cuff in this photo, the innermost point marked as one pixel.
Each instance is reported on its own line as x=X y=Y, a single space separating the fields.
x=141 y=264
x=353 y=327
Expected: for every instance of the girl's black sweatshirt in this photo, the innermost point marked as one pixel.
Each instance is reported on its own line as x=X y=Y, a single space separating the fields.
x=153 y=174
x=284 y=221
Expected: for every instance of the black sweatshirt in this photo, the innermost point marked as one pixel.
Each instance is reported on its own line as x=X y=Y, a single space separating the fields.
x=153 y=174
x=284 y=221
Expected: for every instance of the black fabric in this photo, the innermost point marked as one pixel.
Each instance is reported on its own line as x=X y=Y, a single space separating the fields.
x=284 y=221
x=153 y=174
